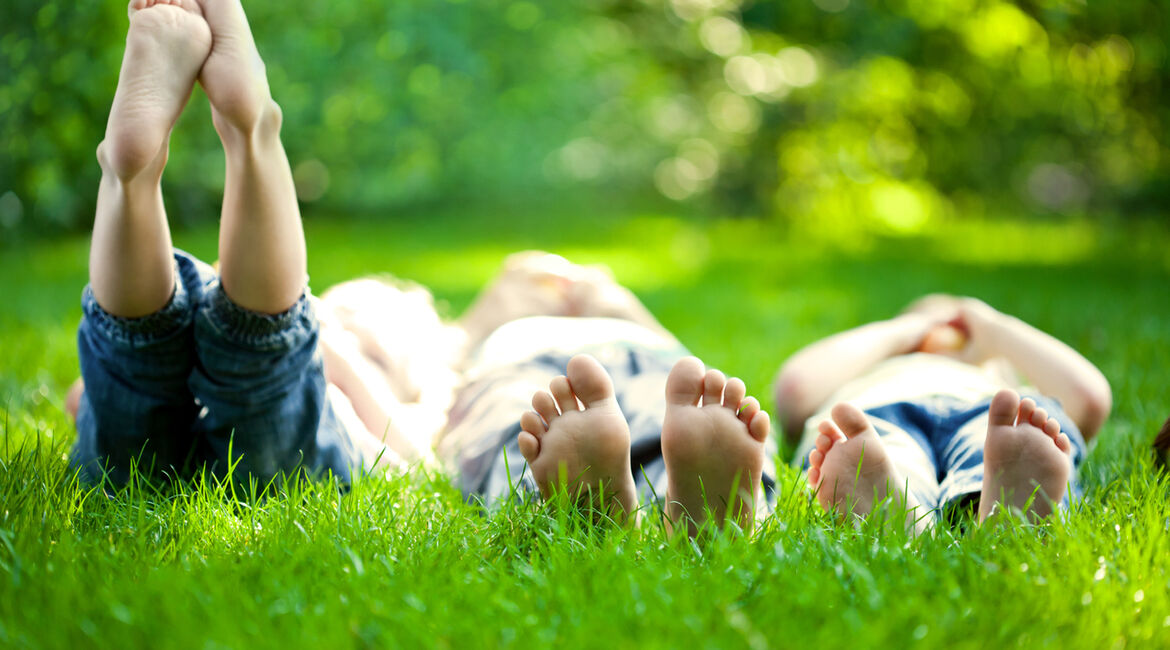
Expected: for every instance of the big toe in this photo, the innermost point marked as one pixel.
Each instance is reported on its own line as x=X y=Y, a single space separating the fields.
x=851 y=420
x=589 y=379
x=684 y=386
x=1004 y=407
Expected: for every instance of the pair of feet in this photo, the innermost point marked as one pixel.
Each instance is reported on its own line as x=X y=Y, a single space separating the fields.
x=1025 y=456
x=577 y=441
x=171 y=43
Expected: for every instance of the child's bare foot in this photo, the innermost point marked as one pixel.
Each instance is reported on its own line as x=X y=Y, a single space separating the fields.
x=234 y=76
x=851 y=472
x=166 y=46
x=583 y=452
x=714 y=453
x=1024 y=450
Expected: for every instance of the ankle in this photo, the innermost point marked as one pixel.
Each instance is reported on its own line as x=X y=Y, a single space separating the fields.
x=126 y=162
x=252 y=132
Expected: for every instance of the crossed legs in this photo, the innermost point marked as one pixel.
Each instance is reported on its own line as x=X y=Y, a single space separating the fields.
x=170 y=44
x=257 y=391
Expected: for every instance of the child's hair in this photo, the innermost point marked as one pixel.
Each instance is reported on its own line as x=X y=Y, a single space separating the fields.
x=1162 y=448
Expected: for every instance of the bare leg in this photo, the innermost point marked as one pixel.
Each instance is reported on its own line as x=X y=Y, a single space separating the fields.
x=131 y=267
x=261 y=242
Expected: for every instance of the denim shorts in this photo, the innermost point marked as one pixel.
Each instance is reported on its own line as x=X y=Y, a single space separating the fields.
x=937 y=445
x=204 y=383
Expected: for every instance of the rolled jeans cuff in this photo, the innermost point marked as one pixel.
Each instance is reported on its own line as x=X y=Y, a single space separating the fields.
x=255 y=330
x=132 y=333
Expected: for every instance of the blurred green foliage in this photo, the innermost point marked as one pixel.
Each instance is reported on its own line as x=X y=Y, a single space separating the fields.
x=831 y=113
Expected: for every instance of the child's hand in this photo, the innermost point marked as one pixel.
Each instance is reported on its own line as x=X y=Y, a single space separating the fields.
x=975 y=321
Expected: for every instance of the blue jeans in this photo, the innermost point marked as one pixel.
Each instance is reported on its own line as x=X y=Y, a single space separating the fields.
x=945 y=437
x=204 y=383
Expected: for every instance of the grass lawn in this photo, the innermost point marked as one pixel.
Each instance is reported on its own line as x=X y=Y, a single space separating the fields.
x=405 y=562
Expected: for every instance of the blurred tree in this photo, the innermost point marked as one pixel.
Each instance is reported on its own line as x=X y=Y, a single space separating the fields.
x=901 y=112
x=828 y=112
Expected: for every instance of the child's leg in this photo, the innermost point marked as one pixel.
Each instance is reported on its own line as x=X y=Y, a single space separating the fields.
x=259 y=374
x=261 y=242
x=131 y=261
x=134 y=341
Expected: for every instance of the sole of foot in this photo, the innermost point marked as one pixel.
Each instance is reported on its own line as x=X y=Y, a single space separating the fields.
x=713 y=445
x=234 y=76
x=167 y=44
x=581 y=452
x=851 y=472
x=1025 y=458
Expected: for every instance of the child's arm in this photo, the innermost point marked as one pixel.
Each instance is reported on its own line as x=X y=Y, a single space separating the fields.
x=814 y=373
x=1055 y=368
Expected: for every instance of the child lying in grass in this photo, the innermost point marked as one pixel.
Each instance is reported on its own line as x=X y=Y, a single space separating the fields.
x=619 y=413
x=185 y=367
x=923 y=410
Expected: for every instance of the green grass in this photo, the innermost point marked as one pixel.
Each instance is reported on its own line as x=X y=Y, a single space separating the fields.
x=405 y=562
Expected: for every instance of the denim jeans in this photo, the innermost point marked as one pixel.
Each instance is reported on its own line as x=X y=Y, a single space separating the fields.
x=204 y=383
x=937 y=445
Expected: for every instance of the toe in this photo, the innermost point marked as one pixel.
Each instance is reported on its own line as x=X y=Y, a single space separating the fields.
x=748 y=409
x=759 y=426
x=545 y=405
x=1004 y=407
x=734 y=393
x=589 y=380
x=816 y=458
x=532 y=423
x=529 y=446
x=713 y=383
x=684 y=386
x=1063 y=443
x=814 y=477
x=830 y=431
x=850 y=419
x=1052 y=428
x=1039 y=418
x=1027 y=408
x=562 y=392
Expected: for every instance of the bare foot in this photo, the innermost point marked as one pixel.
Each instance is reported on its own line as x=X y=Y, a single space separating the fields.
x=234 y=76
x=585 y=453
x=851 y=472
x=1025 y=454
x=166 y=46
x=714 y=453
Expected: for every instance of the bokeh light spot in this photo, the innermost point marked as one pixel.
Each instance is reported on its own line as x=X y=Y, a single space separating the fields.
x=311 y=178
x=722 y=36
x=799 y=67
x=734 y=114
